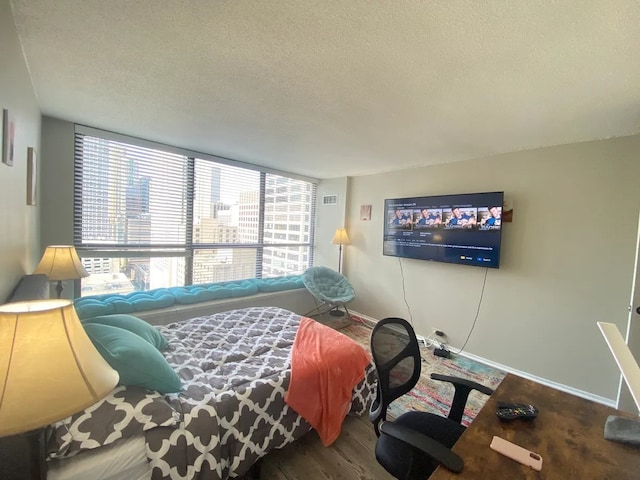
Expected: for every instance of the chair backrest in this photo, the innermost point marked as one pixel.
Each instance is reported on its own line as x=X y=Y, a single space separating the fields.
x=396 y=355
x=327 y=285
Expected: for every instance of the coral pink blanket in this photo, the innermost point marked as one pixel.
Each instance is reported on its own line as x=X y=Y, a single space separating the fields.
x=325 y=366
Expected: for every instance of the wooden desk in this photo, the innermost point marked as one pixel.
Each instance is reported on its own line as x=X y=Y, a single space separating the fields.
x=568 y=433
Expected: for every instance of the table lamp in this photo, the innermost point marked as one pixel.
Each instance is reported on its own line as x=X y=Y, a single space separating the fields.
x=61 y=262
x=49 y=369
x=340 y=238
x=619 y=428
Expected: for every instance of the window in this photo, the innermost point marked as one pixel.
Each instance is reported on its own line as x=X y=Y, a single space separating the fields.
x=149 y=216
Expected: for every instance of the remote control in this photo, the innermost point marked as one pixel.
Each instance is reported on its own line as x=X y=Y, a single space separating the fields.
x=511 y=411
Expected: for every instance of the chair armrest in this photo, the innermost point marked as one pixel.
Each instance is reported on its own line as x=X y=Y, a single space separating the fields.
x=463 y=381
x=463 y=388
x=429 y=446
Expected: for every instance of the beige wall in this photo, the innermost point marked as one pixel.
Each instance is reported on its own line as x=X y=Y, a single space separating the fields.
x=329 y=219
x=57 y=191
x=19 y=232
x=567 y=259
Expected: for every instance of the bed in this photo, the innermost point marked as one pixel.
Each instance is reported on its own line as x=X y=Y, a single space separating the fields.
x=235 y=369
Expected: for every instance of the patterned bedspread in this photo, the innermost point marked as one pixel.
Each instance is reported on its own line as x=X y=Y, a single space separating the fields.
x=235 y=367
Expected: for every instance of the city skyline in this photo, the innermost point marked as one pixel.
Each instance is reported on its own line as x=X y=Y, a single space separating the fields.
x=131 y=199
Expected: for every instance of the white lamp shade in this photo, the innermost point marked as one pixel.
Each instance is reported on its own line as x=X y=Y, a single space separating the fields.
x=341 y=237
x=49 y=369
x=61 y=262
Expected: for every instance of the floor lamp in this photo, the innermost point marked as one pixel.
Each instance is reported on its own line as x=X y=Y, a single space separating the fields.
x=340 y=238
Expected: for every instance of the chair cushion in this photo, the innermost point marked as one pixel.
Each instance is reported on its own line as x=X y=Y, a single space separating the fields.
x=278 y=284
x=107 y=304
x=213 y=291
x=398 y=458
x=136 y=360
x=154 y=299
x=134 y=325
x=328 y=285
x=138 y=301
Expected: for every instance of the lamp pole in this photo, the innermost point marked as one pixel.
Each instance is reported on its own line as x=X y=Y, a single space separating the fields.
x=340 y=238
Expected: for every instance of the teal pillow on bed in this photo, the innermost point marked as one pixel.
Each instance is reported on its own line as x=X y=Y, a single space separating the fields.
x=136 y=360
x=134 y=325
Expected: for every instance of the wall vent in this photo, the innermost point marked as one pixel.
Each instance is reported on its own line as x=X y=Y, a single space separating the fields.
x=329 y=199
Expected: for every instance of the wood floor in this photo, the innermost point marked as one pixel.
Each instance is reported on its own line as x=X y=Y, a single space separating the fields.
x=350 y=457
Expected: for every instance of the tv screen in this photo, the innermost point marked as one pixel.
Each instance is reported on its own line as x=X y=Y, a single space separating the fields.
x=464 y=228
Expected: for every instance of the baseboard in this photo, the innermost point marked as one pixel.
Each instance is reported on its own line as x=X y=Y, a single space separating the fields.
x=369 y=321
x=549 y=383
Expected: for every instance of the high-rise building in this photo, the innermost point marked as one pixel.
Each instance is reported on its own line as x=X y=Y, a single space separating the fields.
x=119 y=208
x=206 y=195
x=140 y=200
x=287 y=219
x=137 y=194
x=248 y=216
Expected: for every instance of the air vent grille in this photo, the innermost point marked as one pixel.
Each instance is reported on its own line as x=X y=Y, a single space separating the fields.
x=329 y=200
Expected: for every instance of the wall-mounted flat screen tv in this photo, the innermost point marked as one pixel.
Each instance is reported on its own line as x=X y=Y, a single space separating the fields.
x=464 y=228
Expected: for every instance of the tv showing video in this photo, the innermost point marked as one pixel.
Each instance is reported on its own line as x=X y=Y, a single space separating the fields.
x=464 y=228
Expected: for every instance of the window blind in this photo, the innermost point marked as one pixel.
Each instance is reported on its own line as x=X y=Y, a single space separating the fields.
x=129 y=196
x=149 y=216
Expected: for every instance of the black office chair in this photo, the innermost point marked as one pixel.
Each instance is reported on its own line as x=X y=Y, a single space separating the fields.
x=412 y=446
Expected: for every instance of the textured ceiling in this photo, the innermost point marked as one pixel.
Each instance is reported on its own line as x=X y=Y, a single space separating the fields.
x=339 y=87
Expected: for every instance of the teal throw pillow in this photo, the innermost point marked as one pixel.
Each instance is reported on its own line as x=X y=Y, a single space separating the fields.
x=134 y=325
x=136 y=360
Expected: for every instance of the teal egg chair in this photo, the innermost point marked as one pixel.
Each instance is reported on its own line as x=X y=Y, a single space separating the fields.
x=331 y=289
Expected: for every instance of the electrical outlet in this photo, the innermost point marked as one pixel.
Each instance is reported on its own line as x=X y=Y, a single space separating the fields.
x=421 y=340
x=439 y=338
x=438 y=332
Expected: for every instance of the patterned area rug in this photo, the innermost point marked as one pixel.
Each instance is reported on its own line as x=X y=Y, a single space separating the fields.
x=432 y=395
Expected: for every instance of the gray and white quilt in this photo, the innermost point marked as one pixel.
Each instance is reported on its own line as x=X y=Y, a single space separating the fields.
x=235 y=367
